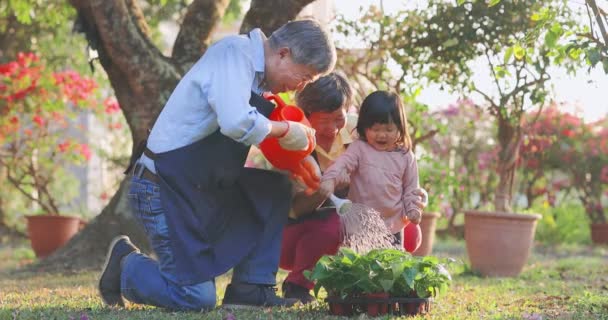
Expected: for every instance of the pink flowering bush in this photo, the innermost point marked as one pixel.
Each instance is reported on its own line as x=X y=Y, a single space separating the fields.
x=541 y=154
x=37 y=108
x=585 y=158
x=560 y=152
x=459 y=173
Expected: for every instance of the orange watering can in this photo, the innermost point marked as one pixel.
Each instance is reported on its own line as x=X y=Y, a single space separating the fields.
x=289 y=160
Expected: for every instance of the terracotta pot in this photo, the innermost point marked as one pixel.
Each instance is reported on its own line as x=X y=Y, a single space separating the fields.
x=599 y=233
x=49 y=232
x=377 y=308
x=428 y=225
x=498 y=243
x=414 y=308
x=340 y=309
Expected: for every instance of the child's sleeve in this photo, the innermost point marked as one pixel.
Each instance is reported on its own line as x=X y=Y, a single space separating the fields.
x=347 y=162
x=410 y=184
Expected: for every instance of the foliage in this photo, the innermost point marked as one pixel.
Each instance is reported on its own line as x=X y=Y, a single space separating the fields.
x=562 y=145
x=30 y=26
x=367 y=70
x=434 y=43
x=520 y=76
x=565 y=223
x=37 y=107
x=562 y=153
x=585 y=40
x=380 y=270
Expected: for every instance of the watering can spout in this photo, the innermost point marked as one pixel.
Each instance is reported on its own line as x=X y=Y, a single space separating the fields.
x=342 y=205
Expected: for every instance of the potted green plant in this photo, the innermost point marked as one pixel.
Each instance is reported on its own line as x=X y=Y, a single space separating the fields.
x=37 y=107
x=379 y=282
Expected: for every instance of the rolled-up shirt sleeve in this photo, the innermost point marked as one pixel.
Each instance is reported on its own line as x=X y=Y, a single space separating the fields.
x=228 y=95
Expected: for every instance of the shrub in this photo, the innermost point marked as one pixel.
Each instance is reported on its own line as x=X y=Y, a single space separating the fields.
x=566 y=223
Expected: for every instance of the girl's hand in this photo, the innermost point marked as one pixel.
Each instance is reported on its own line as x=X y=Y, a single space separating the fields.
x=342 y=180
x=414 y=216
x=423 y=198
x=327 y=187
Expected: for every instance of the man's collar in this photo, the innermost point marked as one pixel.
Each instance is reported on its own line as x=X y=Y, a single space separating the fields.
x=257 y=38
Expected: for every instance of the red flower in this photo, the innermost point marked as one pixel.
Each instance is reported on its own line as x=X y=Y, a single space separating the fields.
x=111 y=105
x=604 y=175
x=568 y=133
x=85 y=151
x=63 y=147
x=38 y=120
x=14 y=120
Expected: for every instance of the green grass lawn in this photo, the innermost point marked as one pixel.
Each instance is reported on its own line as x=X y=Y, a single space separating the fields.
x=558 y=283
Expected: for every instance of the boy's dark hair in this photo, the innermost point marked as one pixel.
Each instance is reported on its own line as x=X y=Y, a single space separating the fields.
x=384 y=107
x=327 y=94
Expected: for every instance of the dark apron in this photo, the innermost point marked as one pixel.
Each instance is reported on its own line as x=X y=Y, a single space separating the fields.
x=215 y=208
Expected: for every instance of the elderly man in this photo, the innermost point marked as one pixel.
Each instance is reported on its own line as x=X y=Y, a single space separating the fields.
x=202 y=211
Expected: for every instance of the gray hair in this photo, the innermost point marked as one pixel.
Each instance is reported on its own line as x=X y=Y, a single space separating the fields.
x=309 y=43
x=327 y=94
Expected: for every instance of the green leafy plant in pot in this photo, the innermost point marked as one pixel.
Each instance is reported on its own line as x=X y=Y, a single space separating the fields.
x=376 y=281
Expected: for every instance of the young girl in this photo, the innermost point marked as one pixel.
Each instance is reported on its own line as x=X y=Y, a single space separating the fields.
x=380 y=165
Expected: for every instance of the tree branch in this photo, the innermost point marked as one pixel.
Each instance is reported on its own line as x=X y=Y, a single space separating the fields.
x=599 y=20
x=494 y=75
x=195 y=33
x=487 y=98
x=269 y=15
x=426 y=136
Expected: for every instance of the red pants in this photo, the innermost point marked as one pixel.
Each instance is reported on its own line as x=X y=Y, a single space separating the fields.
x=304 y=243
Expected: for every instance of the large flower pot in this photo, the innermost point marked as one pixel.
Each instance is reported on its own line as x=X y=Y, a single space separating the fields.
x=427 y=224
x=498 y=243
x=47 y=233
x=599 y=233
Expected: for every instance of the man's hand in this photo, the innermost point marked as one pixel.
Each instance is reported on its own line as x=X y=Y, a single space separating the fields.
x=297 y=137
x=309 y=173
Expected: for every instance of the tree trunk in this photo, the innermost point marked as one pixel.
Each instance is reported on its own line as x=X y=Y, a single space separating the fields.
x=269 y=15
x=143 y=80
x=509 y=137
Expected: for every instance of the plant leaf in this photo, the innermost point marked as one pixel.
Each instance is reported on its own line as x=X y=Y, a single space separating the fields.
x=493 y=3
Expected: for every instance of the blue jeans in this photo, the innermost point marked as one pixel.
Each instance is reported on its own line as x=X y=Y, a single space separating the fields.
x=151 y=282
